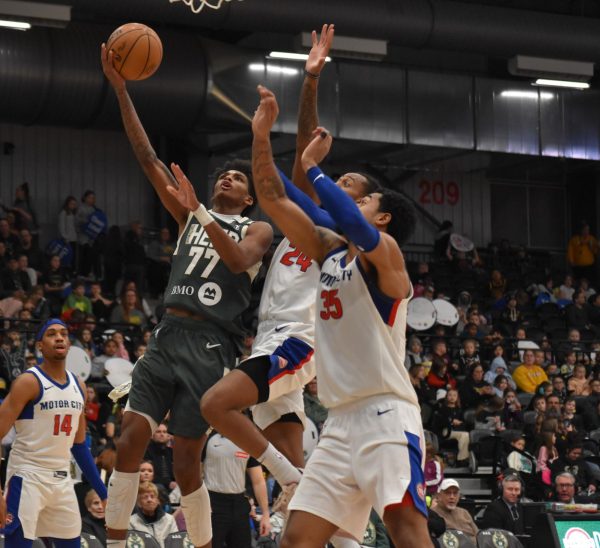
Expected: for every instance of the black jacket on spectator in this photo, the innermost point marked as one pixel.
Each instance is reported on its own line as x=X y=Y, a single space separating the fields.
x=12 y=280
x=578 y=317
x=497 y=516
x=162 y=459
x=469 y=393
x=579 y=468
x=94 y=526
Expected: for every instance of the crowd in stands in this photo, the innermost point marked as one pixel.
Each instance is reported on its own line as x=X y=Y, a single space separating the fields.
x=488 y=395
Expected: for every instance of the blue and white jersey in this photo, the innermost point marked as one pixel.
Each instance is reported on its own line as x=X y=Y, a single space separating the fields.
x=46 y=428
x=360 y=336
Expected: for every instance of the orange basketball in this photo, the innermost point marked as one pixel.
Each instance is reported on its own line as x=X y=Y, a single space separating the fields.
x=137 y=51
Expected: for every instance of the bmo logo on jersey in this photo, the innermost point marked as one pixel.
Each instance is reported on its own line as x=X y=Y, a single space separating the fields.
x=182 y=290
x=210 y=294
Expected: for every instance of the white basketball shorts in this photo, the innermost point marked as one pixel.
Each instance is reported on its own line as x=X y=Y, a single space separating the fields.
x=371 y=452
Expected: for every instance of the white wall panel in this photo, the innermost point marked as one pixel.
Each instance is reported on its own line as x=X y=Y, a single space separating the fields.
x=59 y=161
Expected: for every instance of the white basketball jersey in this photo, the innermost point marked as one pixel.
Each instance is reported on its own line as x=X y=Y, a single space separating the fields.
x=360 y=336
x=46 y=427
x=289 y=291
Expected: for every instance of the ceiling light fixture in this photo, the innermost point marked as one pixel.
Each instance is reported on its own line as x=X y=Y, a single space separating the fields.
x=518 y=94
x=16 y=25
x=42 y=14
x=561 y=84
x=292 y=56
x=287 y=71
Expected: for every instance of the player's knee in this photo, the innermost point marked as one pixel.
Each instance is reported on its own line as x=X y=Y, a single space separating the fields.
x=212 y=405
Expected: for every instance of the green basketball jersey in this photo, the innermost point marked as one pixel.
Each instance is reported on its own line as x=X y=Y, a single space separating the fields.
x=201 y=283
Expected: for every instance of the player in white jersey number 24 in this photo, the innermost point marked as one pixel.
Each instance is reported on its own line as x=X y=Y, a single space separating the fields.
x=46 y=404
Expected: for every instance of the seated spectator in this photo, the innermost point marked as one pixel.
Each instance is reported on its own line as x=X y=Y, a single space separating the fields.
x=500 y=386
x=577 y=314
x=27 y=247
x=12 y=278
x=529 y=375
x=569 y=416
x=496 y=285
x=566 y=290
x=149 y=517
x=122 y=351
x=572 y=461
x=512 y=416
x=565 y=489
x=10 y=240
x=126 y=312
x=414 y=352
x=474 y=390
x=141 y=302
x=55 y=281
x=573 y=344
x=506 y=511
x=468 y=355
x=83 y=339
x=591 y=413
x=313 y=407
x=547 y=454
x=567 y=368
x=101 y=306
x=425 y=393
x=499 y=367
x=440 y=349
x=511 y=315
x=40 y=306
x=446 y=506
x=489 y=415
x=160 y=454
x=559 y=388
x=516 y=459
x=578 y=384
x=537 y=404
x=77 y=300
x=433 y=471
x=146 y=471
x=109 y=351
x=23 y=262
x=452 y=420
x=93 y=522
x=438 y=377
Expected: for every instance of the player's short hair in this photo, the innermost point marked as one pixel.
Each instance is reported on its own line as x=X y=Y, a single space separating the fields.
x=243 y=166
x=147 y=487
x=404 y=216
x=372 y=184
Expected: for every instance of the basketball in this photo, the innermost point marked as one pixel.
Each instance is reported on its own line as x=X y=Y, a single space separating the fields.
x=137 y=51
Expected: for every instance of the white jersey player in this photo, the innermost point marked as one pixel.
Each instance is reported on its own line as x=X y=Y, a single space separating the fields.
x=46 y=404
x=371 y=449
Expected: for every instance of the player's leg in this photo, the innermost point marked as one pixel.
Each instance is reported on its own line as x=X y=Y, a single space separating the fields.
x=307 y=530
x=67 y=542
x=16 y=539
x=24 y=498
x=286 y=435
x=406 y=525
x=221 y=406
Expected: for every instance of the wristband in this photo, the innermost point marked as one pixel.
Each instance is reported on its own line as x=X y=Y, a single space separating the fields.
x=202 y=215
x=311 y=75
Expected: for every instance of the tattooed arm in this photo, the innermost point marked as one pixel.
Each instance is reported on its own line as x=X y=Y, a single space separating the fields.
x=159 y=175
x=313 y=241
x=308 y=118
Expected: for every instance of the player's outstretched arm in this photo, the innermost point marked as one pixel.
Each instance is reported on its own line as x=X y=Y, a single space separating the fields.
x=237 y=256
x=155 y=170
x=308 y=118
x=291 y=220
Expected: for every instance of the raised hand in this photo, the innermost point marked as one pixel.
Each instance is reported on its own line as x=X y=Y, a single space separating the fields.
x=319 y=50
x=106 y=58
x=266 y=113
x=185 y=192
x=317 y=149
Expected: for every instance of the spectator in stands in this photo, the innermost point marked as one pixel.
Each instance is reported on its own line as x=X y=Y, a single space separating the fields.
x=577 y=314
x=529 y=375
x=313 y=407
x=414 y=352
x=500 y=386
x=581 y=253
x=28 y=247
x=24 y=267
x=578 y=384
x=572 y=461
x=160 y=453
x=567 y=368
x=93 y=522
x=512 y=416
x=496 y=285
x=127 y=312
x=83 y=339
x=499 y=367
x=468 y=356
x=159 y=255
x=566 y=290
x=474 y=390
x=506 y=511
x=565 y=487
x=146 y=471
x=13 y=278
x=591 y=402
x=77 y=299
x=98 y=363
x=516 y=459
x=452 y=420
x=559 y=389
x=569 y=416
x=101 y=306
x=135 y=255
x=511 y=315
x=438 y=377
x=489 y=415
x=38 y=304
x=433 y=470
x=150 y=517
x=122 y=351
x=25 y=216
x=446 y=506
x=55 y=281
x=141 y=303
x=547 y=454
x=10 y=240
x=67 y=223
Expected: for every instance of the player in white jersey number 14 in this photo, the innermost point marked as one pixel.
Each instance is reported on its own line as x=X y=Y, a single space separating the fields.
x=46 y=406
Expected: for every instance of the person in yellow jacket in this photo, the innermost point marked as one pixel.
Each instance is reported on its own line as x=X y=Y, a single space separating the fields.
x=581 y=254
x=528 y=376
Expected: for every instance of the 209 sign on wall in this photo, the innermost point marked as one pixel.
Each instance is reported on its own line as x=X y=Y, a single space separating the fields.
x=438 y=192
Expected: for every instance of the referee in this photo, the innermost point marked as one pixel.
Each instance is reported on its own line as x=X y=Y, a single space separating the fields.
x=225 y=467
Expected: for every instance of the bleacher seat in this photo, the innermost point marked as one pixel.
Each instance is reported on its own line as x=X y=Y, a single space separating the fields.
x=455 y=539
x=595 y=435
x=493 y=538
x=178 y=540
x=141 y=539
x=90 y=541
x=469 y=416
x=485 y=446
